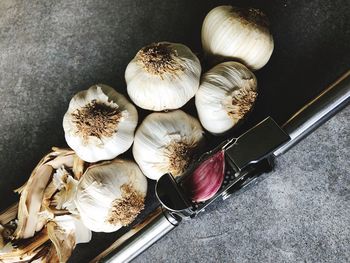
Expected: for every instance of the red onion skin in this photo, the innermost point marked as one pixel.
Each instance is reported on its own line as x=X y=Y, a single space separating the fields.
x=207 y=179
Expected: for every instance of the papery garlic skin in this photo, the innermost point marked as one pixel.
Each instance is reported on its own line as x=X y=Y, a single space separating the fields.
x=100 y=123
x=163 y=76
x=33 y=193
x=110 y=195
x=226 y=94
x=66 y=186
x=65 y=232
x=164 y=143
x=238 y=34
x=74 y=225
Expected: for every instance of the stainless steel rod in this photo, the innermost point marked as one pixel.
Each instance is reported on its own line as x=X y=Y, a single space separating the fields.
x=139 y=238
x=317 y=112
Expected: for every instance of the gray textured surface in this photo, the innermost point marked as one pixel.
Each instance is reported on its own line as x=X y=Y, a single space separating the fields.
x=49 y=50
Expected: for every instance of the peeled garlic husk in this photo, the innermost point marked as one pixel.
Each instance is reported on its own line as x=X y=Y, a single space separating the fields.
x=165 y=143
x=25 y=250
x=33 y=192
x=66 y=186
x=226 y=94
x=110 y=195
x=33 y=230
x=163 y=76
x=65 y=232
x=7 y=224
x=100 y=123
x=54 y=243
x=238 y=34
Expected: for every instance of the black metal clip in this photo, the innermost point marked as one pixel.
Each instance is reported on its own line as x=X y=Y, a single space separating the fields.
x=256 y=144
x=247 y=156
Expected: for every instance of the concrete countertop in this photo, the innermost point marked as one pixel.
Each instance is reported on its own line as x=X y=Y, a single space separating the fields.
x=49 y=50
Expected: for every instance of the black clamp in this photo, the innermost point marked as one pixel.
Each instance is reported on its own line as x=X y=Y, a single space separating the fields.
x=247 y=156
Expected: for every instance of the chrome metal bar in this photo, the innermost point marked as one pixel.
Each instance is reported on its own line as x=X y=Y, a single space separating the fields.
x=317 y=112
x=139 y=238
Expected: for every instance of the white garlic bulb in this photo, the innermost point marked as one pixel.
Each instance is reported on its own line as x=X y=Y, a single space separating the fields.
x=165 y=142
x=110 y=195
x=239 y=34
x=226 y=94
x=163 y=76
x=100 y=123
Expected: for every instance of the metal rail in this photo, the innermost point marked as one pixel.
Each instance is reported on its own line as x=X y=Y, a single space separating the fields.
x=139 y=238
x=317 y=112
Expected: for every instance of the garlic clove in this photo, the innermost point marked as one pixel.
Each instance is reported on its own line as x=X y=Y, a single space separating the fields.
x=110 y=195
x=99 y=124
x=163 y=76
x=207 y=178
x=225 y=96
x=166 y=142
x=238 y=34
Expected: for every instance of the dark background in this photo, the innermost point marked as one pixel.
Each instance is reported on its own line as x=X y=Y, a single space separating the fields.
x=49 y=50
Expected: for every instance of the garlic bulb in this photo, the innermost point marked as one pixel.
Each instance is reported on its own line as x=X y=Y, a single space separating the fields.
x=165 y=143
x=238 y=33
x=99 y=124
x=226 y=94
x=110 y=195
x=163 y=76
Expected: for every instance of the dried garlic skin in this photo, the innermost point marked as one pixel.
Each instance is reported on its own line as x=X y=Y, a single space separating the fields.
x=226 y=94
x=65 y=232
x=163 y=76
x=165 y=142
x=100 y=123
x=110 y=195
x=25 y=250
x=238 y=34
x=54 y=243
x=42 y=232
x=33 y=192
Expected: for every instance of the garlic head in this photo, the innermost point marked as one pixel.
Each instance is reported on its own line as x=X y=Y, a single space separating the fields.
x=165 y=142
x=100 y=123
x=239 y=34
x=163 y=76
x=226 y=94
x=110 y=195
